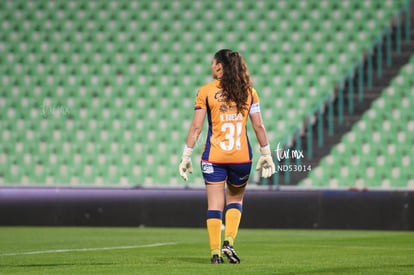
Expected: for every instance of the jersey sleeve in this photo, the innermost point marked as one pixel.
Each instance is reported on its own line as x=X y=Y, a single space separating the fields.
x=255 y=107
x=200 y=102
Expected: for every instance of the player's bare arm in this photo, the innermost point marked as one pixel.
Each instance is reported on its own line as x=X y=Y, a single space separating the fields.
x=259 y=128
x=196 y=127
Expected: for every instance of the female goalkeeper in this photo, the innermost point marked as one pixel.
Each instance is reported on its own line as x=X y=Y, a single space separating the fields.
x=227 y=156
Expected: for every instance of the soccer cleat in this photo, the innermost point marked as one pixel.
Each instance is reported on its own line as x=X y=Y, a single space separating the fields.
x=230 y=253
x=216 y=259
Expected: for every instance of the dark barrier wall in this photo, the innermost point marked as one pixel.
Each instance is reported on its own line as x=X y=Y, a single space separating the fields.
x=187 y=208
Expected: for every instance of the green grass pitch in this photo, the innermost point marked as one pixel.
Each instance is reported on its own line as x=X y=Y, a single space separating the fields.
x=85 y=250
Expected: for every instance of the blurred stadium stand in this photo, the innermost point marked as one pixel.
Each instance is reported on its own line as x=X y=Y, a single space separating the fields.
x=378 y=151
x=100 y=93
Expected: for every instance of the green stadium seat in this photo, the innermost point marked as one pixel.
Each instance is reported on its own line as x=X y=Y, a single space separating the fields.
x=104 y=61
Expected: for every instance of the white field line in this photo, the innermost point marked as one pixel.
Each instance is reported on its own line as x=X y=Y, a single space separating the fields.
x=85 y=249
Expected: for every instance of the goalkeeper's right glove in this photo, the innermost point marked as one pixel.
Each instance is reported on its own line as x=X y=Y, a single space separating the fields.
x=185 y=166
x=265 y=162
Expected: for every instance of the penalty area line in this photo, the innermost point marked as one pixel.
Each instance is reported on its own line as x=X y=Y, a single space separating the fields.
x=86 y=249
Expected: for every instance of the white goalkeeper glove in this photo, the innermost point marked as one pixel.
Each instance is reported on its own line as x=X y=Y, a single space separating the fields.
x=185 y=166
x=265 y=162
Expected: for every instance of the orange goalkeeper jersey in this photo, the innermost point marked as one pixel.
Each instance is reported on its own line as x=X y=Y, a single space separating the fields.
x=227 y=140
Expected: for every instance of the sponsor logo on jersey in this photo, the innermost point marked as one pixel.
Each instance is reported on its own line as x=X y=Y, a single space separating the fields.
x=219 y=96
x=223 y=108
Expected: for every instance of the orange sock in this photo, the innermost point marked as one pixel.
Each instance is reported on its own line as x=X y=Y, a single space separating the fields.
x=214 y=224
x=233 y=217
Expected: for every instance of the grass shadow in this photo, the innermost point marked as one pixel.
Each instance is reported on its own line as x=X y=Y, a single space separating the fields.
x=52 y=265
x=193 y=260
x=356 y=269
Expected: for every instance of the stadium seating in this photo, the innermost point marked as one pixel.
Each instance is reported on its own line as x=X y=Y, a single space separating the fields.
x=378 y=152
x=100 y=93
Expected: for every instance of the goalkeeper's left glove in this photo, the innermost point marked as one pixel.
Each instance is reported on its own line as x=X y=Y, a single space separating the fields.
x=265 y=162
x=185 y=166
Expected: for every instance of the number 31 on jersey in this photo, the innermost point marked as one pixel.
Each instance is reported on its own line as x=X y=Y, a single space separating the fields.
x=232 y=132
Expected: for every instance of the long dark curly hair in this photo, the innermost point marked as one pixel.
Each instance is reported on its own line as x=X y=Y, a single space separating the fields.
x=235 y=83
